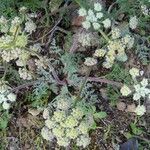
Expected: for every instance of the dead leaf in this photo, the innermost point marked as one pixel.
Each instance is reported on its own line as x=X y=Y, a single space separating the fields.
x=28 y=121
x=34 y=112
x=77 y=21
x=31 y=65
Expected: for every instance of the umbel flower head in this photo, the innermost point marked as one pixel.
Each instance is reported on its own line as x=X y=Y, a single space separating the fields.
x=134 y=72
x=141 y=90
x=68 y=124
x=6 y=97
x=133 y=22
x=140 y=110
x=125 y=90
x=89 y=61
x=115 y=49
x=94 y=17
x=30 y=26
x=14 y=44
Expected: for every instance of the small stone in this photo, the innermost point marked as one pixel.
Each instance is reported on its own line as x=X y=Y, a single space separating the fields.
x=104 y=93
x=121 y=106
x=31 y=65
x=131 y=108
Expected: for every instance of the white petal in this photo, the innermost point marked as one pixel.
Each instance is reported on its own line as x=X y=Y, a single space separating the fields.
x=144 y=82
x=46 y=114
x=136 y=96
x=11 y=97
x=47 y=134
x=6 y=105
x=137 y=87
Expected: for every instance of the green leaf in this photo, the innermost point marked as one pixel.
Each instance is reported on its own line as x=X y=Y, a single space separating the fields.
x=100 y=115
x=128 y=135
x=3 y=123
x=94 y=126
x=4 y=119
x=135 y=129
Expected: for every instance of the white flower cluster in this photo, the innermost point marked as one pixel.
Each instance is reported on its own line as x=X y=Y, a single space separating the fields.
x=85 y=39
x=115 y=48
x=41 y=63
x=23 y=9
x=10 y=55
x=25 y=74
x=30 y=26
x=4 y=26
x=133 y=22
x=94 y=17
x=89 y=61
x=13 y=27
x=140 y=90
x=36 y=47
x=140 y=110
x=67 y=124
x=125 y=90
x=13 y=43
x=134 y=72
x=16 y=21
x=32 y=15
x=145 y=10
x=63 y=104
x=6 y=97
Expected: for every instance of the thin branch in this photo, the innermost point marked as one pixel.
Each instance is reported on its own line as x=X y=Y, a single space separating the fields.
x=104 y=35
x=52 y=30
x=62 y=30
x=82 y=86
x=63 y=82
x=103 y=80
x=74 y=46
x=111 y=6
x=23 y=86
x=58 y=81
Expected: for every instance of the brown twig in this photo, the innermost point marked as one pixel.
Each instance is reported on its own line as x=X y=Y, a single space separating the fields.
x=103 y=80
x=73 y=47
x=52 y=30
x=63 y=82
x=23 y=86
x=60 y=82
x=56 y=78
x=62 y=30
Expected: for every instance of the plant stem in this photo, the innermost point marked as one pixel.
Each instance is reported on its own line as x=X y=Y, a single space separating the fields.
x=4 y=75
x=16 y=33
x=47 y=16
x=104 y=80
x=82 y=86
x=104 y=35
